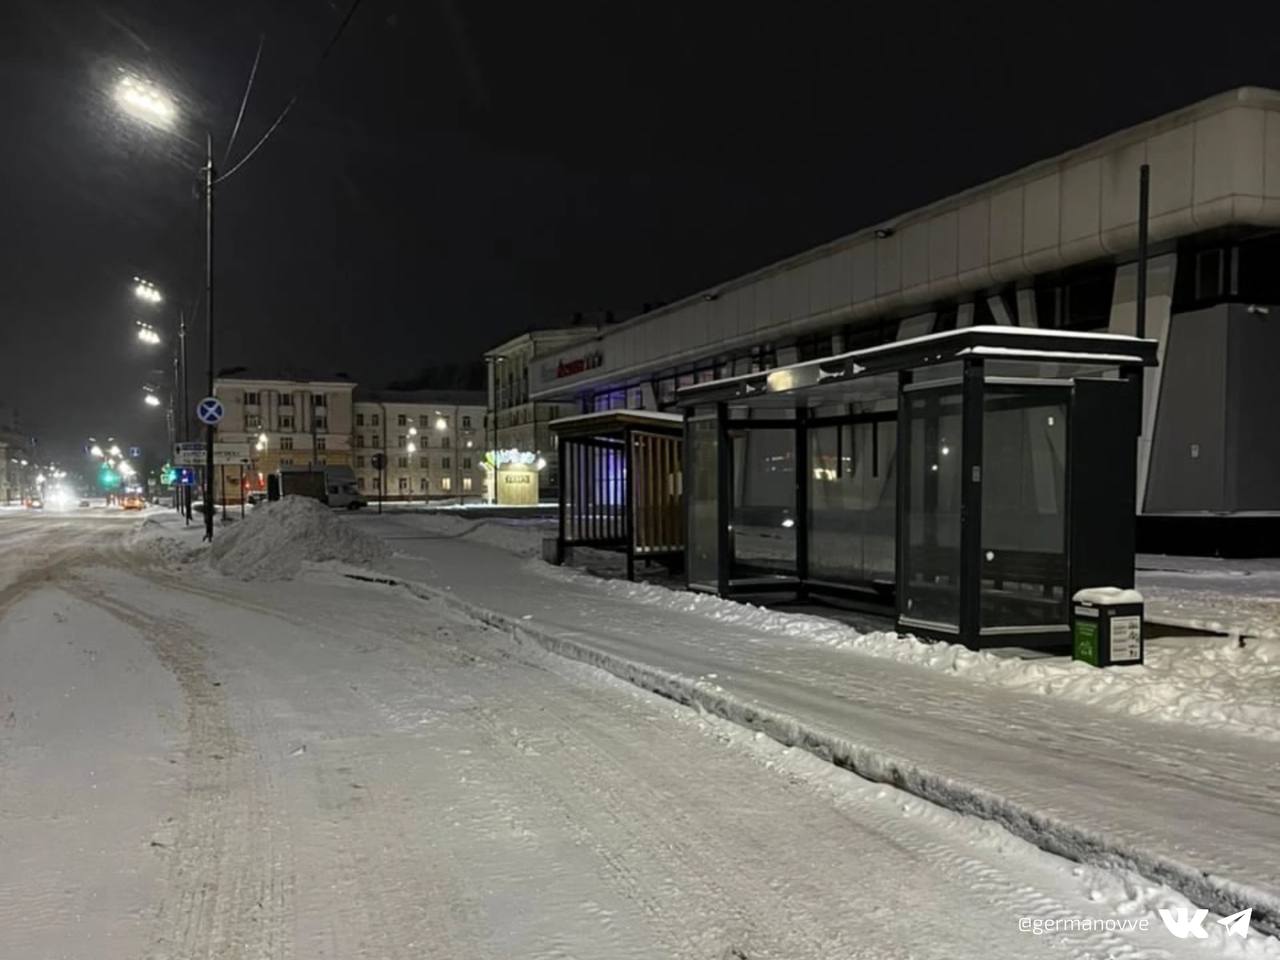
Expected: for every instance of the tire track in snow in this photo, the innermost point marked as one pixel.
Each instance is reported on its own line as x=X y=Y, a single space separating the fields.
x=228 y=888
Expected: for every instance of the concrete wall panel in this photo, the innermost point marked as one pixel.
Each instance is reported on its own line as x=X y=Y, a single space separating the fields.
x=840 y=279
x=973 y=243
x=915 y=257
x=943 y=254
x=865 y=268
x=1006 y=234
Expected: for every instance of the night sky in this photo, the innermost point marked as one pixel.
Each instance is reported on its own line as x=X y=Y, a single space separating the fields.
x=458 y=172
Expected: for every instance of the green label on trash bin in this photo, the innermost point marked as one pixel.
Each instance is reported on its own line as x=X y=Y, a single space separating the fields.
x=1084 y=641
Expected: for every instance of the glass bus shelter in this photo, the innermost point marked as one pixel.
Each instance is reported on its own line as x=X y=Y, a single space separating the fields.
x=966 y=483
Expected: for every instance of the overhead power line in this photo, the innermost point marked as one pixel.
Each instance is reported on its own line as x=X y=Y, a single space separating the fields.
x=244 y=101
x=275 y=124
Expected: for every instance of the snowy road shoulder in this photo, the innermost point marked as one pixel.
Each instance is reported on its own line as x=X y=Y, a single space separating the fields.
x=1071 y=838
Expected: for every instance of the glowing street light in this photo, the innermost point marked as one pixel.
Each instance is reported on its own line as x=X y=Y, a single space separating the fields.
x=125 y=469
x=114 y=451
x=145 y=101
x=411 y=447
x=261 y=445
x=151 y=400
x=147 y=333
x=442 y=423
x=146 y=290
x=97 y=451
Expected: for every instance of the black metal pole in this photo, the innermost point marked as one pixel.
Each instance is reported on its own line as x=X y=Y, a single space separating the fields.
x=1144 y=203
x=182 y=366
x=208 y=314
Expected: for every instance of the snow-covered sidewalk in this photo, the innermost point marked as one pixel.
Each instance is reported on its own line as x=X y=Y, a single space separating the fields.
x=1192 y=806
x=1237 y=597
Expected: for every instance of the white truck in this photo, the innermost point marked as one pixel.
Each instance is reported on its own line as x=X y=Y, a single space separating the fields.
x=332 y=485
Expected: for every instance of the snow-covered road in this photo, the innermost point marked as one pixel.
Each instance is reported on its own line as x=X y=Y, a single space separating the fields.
x=1188 y=803
x=193 y=766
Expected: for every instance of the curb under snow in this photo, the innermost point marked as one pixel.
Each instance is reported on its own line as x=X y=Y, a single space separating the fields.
x=1050 y=833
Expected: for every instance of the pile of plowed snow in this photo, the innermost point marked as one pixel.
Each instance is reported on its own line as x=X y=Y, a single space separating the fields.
x=273 y=541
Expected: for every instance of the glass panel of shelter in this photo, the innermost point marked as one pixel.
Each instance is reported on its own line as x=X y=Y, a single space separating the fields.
x=702 y=488
x=851 y=503
x=930 y=591
x=1024 y=514
x=762 y=518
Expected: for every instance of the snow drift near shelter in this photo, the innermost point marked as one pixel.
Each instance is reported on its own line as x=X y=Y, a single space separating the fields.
x=273 y=541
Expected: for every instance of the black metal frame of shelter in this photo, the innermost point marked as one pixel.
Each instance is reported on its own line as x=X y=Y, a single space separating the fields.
x=1012 y=477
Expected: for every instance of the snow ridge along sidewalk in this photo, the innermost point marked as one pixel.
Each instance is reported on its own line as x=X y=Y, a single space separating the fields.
x=1050 y=833
x=1207 y=682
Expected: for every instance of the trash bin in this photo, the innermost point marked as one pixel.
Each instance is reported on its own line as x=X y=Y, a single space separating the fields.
x=1106 y=626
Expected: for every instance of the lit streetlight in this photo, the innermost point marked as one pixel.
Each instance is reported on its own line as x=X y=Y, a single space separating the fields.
x=97 y=451
x=145 y=101
x=146 y=290
x=151 y=400
x=147 y=333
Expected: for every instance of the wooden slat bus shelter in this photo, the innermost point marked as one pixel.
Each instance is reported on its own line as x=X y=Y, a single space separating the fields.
x=621 y=484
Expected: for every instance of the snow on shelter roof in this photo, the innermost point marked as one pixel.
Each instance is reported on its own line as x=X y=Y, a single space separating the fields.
x=1009 y=343
x=611 y=421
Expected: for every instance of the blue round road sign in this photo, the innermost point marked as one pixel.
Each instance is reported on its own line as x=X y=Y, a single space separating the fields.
x=209 y=410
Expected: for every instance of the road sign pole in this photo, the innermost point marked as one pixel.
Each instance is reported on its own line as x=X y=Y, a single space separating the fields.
x=208 y=319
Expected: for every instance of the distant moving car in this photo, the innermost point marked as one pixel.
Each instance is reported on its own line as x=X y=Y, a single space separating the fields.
x=84 y=502
x=133 y=502
x=35 y=503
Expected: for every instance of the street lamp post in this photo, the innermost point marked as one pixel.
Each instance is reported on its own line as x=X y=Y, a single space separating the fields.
x=491 y=424
x=208 y=314
x=411 y=448
x=148 y=103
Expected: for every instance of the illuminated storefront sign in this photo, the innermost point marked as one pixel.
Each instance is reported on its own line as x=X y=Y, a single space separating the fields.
x=588 y=361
